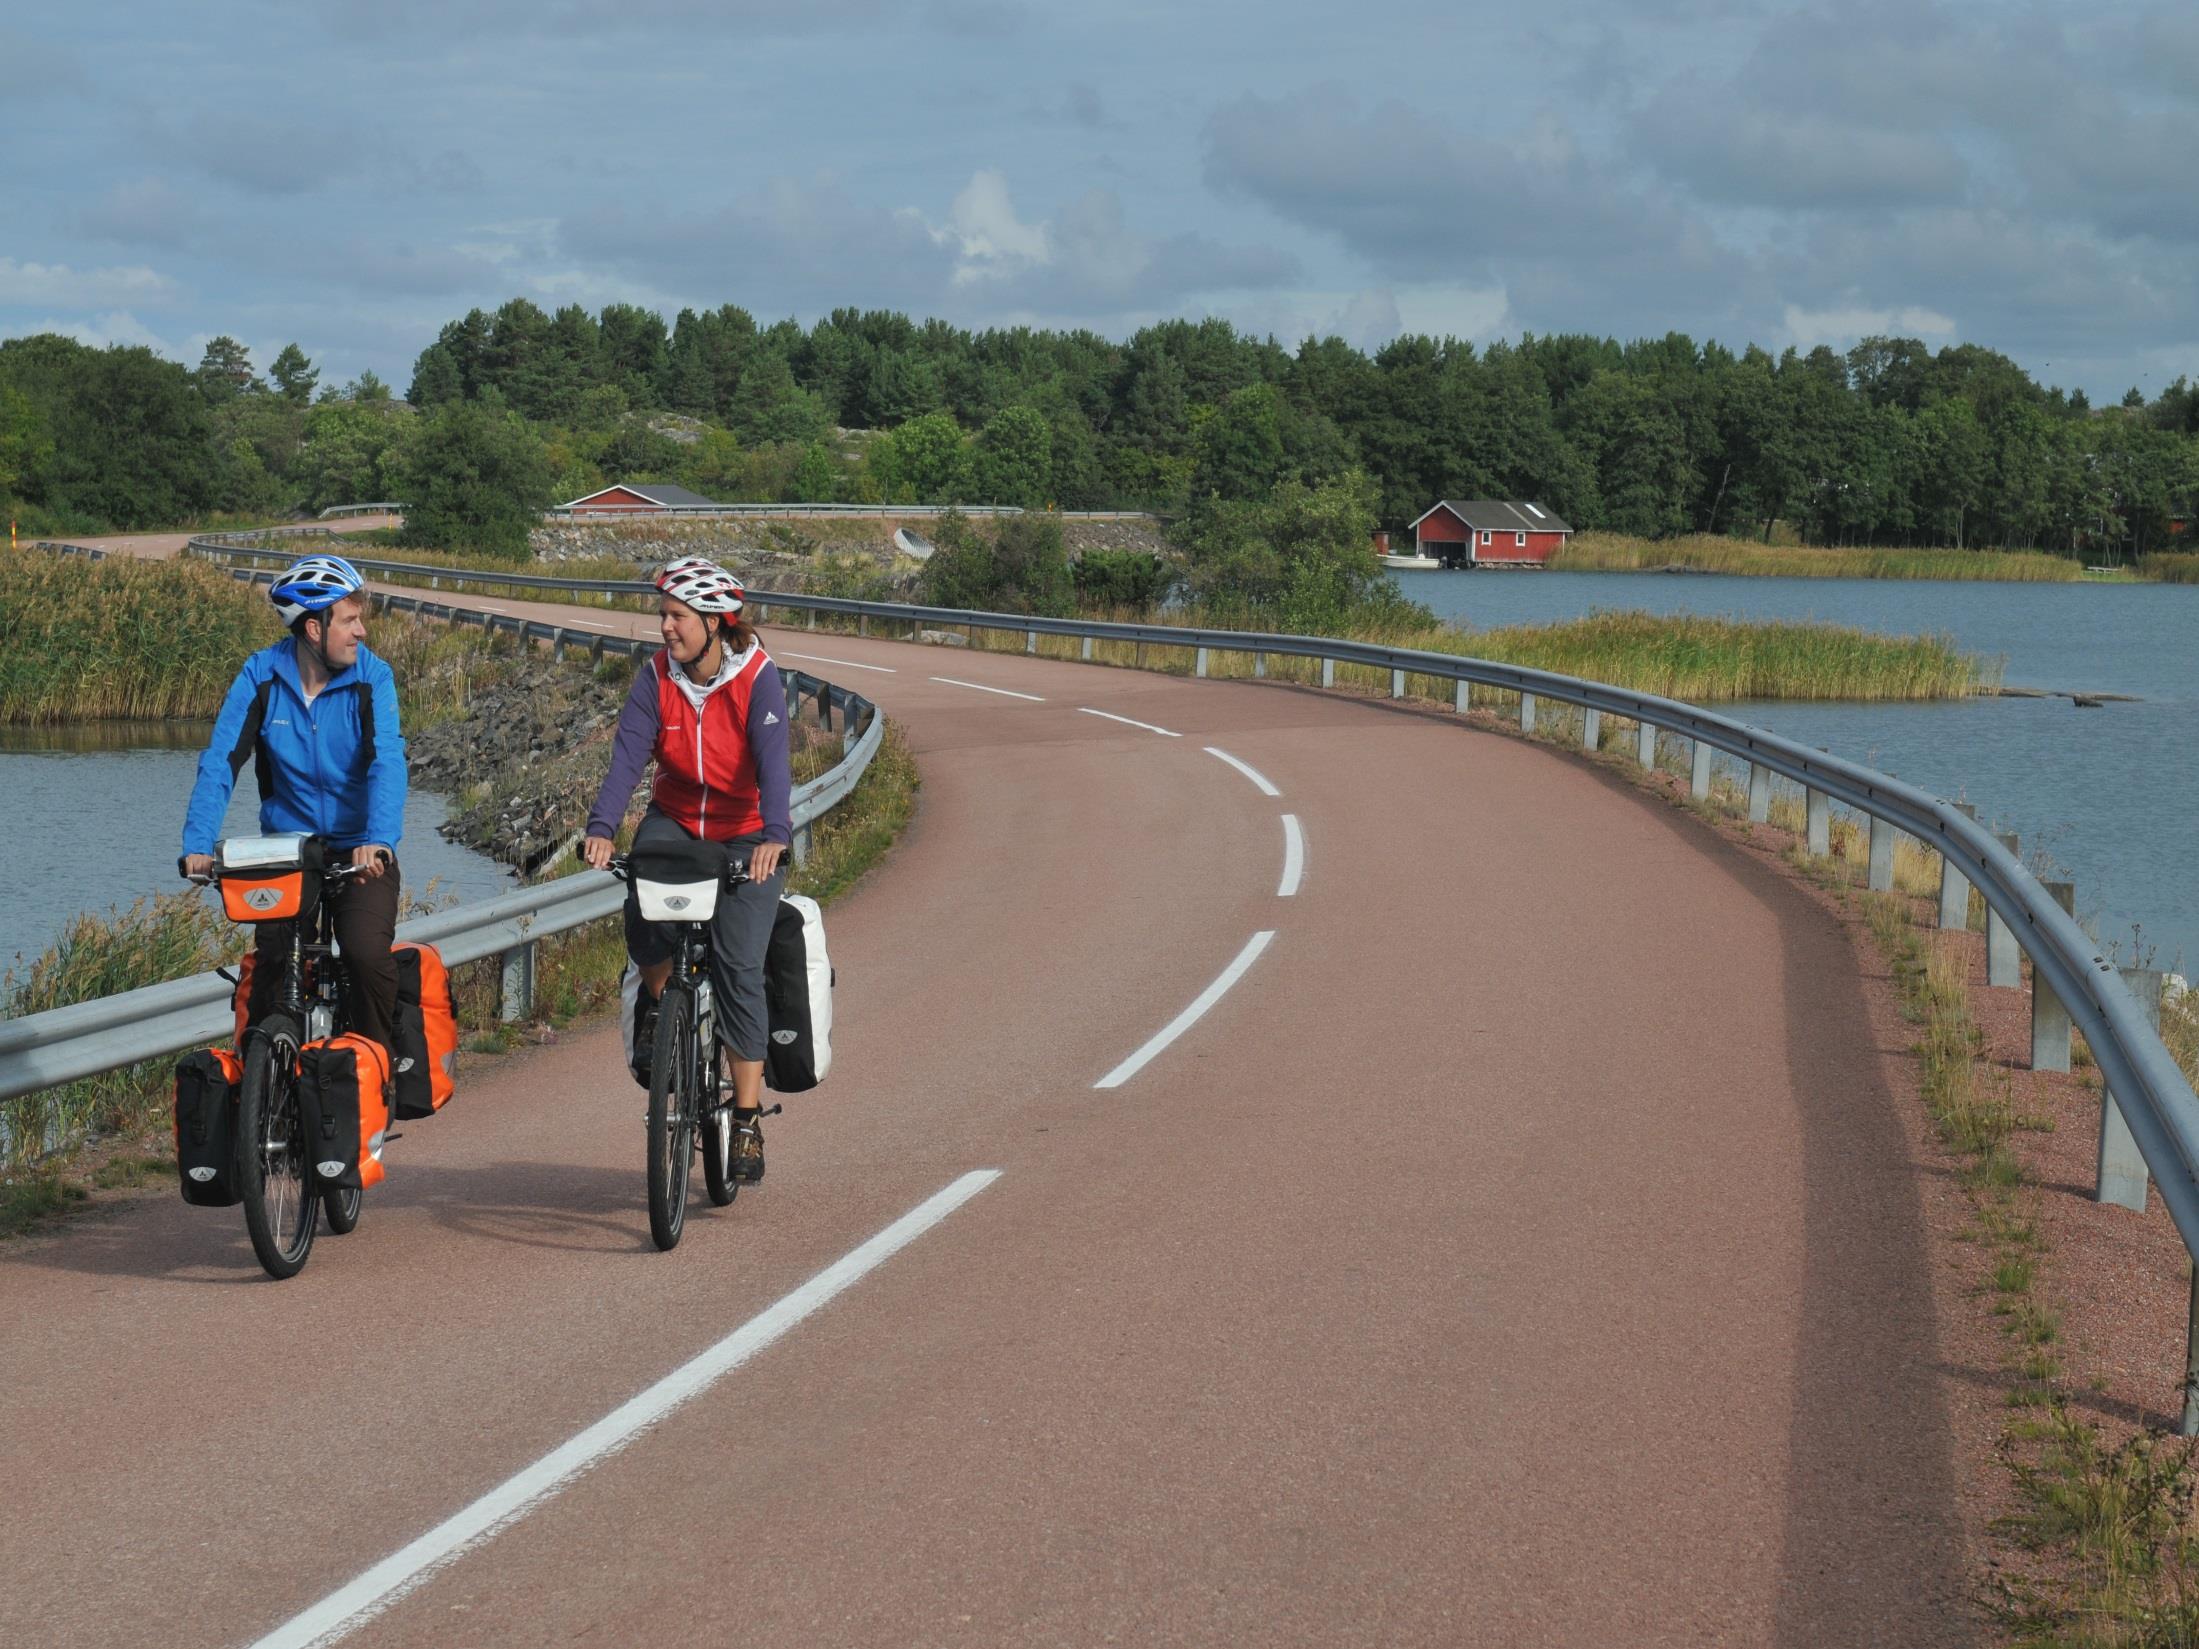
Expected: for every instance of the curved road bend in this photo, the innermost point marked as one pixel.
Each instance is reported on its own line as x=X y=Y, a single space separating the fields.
x=1524 y=1249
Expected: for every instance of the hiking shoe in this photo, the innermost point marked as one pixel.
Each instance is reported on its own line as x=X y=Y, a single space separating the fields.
x=748 y=1146
x=645 y=1037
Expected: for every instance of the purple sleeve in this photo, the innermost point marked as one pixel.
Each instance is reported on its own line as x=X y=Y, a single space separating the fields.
x=767 y=743
x=631 y=747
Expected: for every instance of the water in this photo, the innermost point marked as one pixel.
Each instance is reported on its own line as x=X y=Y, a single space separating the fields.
x=94 y=813
x=2109 y=796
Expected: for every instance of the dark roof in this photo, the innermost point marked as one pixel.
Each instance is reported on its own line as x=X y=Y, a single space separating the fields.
x=657 y=492
x=1494 y=515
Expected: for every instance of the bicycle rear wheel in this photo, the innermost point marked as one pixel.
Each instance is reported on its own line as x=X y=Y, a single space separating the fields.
x=672 y=1115
x=342 y=1209
x=718 y=1177
x=280 y=1209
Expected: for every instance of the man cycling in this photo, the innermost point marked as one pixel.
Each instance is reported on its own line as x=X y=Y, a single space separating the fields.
x=317 y=715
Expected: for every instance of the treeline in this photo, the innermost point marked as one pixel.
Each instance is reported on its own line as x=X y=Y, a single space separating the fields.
x=1890 y=444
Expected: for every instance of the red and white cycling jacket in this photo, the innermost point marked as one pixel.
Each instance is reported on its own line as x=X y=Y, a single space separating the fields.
x=720 y=749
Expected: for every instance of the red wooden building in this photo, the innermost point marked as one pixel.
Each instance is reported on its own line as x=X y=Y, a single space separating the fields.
x=638 y=498
x=1483 y=532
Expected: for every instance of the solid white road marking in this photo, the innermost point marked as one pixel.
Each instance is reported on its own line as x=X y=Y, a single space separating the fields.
x=1252 y=773
x=1192 y=1015
x=844 y=663
x=351 y=1607
x=1294 y=856
x=982 y=688
x=1127 y=722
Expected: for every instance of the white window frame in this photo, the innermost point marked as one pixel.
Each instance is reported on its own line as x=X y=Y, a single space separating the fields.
x=1519 y=541
x=1484 y=540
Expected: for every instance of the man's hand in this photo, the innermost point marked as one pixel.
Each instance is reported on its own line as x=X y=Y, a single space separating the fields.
x=596 y=850
x=763 y=860
x=197 y=867
x=369 y=859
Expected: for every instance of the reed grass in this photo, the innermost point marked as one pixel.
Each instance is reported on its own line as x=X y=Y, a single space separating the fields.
x=1598 y=552
x=2169 y=569
x=121 y=637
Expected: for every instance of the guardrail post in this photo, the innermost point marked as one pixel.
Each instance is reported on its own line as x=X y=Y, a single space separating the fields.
x=1954 y=895
x=1591 y=728
x=1259 y=665
x=1645 y=743
x=809 y=619
x=1199 y=666
x=1328 y=672
x=1882 y=856
x=1087 y=653
x=862 y=624
x=1462 y=696
x=801 y=846
x=2003 y=956
x=1030 y=641
x=2049 y=1019
x=1759 y=793
x=1818 y=810
x=2189 y=1425
x=2122 y=1178
x=515 y=996
x=1698 y=784
x=1397 y=684
x=1527 y=712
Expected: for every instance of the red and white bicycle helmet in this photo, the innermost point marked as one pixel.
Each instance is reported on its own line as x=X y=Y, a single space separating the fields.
x=703 y=585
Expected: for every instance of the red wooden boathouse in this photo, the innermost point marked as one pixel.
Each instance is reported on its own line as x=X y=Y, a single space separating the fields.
x=1484 y=532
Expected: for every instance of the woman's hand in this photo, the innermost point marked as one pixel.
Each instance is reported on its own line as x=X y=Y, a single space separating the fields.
x=370 y=859
x=596 y=850
x=763 y=861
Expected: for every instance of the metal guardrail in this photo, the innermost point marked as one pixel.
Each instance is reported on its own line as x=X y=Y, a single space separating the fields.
x=335 y=510
x=2148 y=1102
x=42 y=1050
x=853 y=512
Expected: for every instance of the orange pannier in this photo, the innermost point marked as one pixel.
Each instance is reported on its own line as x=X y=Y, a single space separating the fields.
x=426 y=1055
x=343 y=1088
x=240 y=999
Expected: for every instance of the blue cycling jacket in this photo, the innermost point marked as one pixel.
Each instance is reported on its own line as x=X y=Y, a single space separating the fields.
x=333 y=768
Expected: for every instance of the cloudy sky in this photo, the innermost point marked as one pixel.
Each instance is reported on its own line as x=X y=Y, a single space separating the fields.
x=353 y=173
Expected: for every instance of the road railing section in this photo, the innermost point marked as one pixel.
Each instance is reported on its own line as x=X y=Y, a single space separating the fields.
x=43 y=1050
x=336 y=510
x=851 y=512
x=2149 y=1126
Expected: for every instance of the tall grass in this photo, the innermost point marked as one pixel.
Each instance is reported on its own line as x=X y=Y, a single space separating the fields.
x=83 y=639
x=1598 y=552
x=2163 y=568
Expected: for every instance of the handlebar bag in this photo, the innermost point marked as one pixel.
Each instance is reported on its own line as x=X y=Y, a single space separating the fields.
x=342 y=1091
x=425 y=1060
x=206 y=1127
x=677 y=881
x=798 y=980
x=271 y=878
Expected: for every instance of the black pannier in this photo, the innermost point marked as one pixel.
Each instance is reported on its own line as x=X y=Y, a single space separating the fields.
x=798 y=983
x=206 y=1127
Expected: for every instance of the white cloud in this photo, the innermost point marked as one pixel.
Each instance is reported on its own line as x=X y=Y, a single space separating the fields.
x=1807 y=328
x=982 y=222
x=56 y=283
x=115 y=327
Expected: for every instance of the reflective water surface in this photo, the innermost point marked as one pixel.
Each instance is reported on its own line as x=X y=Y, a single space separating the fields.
x=93 y=813
x=2110 y=795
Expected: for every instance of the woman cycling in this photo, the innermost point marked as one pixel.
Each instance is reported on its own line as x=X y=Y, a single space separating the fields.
x=711 y=710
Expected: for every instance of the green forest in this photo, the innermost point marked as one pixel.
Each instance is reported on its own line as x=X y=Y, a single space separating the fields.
x=1889 y=444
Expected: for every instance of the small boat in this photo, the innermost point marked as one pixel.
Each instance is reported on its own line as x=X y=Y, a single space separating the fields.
x=1411 y=563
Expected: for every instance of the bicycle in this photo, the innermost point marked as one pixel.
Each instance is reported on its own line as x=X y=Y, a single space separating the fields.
x=285 y=878
x=689 y=1107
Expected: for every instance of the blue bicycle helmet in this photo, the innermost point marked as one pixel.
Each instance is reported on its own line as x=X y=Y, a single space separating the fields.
x=314 y=585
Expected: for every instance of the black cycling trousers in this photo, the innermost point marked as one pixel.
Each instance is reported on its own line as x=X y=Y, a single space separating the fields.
x=366 y=926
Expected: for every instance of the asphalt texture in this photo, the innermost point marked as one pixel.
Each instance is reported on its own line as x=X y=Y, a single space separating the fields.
x=1525 y=1250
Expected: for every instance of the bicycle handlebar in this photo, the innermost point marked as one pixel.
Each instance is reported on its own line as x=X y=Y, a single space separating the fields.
x=736 y=870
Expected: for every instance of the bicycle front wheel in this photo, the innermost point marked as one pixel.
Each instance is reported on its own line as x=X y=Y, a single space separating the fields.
x=280 y=1209
x=672 y=1086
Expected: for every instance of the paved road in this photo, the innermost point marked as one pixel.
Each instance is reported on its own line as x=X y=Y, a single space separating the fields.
x=164 y=544
x=1523 y=1249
